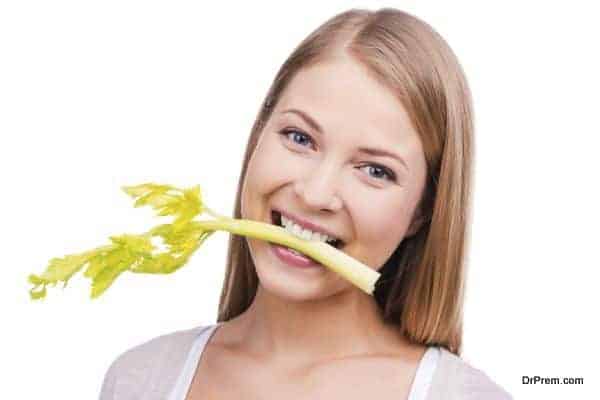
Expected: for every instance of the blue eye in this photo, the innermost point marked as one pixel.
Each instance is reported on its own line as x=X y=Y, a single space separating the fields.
x=381 y=171
x=298 y=137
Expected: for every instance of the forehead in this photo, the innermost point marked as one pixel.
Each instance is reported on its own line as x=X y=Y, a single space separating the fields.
x=341 y=94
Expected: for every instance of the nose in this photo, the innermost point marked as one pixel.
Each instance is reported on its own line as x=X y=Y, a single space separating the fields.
x=318 y=189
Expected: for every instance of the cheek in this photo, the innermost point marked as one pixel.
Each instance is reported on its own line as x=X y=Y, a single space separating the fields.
x=263 y=175
x=385 y=220
x=381 y=226
x=273 y=165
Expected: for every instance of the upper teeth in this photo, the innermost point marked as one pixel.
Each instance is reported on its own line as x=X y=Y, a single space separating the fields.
x=307 y=234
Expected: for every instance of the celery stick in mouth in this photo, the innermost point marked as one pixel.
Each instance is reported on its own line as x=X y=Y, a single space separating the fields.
x=182 y=237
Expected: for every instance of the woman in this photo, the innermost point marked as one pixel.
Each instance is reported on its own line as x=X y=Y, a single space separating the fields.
x=364 y=136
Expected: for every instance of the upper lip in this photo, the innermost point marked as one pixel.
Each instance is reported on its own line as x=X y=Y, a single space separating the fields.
x=307 y=224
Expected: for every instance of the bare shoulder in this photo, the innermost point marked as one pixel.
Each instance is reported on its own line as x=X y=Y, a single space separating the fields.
x=465 y=382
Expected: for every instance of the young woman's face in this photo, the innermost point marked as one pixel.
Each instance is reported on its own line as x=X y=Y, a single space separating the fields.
x=310 y=163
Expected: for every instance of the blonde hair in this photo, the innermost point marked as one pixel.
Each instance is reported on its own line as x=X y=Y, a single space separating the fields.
x=422 y=283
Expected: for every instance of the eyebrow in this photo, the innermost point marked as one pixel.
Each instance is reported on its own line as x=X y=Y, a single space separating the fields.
x=313 y=124
x=367 y=150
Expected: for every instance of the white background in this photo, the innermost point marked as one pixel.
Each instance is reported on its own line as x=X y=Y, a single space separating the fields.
x=96 y=95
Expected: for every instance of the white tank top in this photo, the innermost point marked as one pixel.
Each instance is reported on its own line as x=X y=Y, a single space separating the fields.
x=418 y=390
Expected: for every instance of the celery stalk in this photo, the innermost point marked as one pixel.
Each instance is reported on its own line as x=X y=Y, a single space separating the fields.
x=137 y=253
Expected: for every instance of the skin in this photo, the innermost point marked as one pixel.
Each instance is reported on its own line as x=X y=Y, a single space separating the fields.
x=310 y=329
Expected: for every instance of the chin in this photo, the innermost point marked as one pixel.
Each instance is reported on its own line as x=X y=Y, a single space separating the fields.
x=295 y=289
x=286 y=287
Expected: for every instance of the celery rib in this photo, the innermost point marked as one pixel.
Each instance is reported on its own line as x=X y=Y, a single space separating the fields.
x=353 y=270
x=137 y=253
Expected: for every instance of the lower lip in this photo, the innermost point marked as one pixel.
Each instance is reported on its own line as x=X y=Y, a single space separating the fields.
x=292 y=259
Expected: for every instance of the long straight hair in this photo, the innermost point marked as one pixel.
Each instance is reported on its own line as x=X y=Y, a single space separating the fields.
x=422 y=283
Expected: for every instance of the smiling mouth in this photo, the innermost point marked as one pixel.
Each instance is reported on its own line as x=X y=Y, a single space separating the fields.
x=276 y=220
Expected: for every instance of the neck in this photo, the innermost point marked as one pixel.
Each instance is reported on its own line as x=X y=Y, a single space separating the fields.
x=348 y=324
